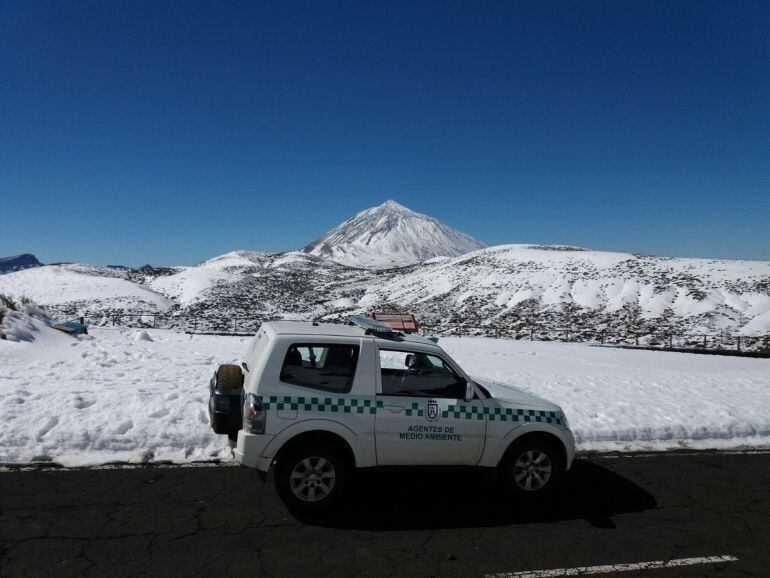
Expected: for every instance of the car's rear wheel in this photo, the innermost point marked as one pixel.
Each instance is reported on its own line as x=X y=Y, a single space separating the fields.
x=311 y=478
x=532 y=468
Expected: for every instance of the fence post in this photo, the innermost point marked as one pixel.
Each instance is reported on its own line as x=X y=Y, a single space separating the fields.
x=602 y=337
x=154 y=321
x=636 y=339
x=670 y=340
x=235 y=321
x=705 y=342
x=566 y=335
x=738 y=341
x=531 y=334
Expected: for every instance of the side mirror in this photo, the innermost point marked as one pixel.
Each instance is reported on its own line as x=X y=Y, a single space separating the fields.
x=469 y=391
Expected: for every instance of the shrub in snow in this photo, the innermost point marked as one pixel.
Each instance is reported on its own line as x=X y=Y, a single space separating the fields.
x=18 y=327
x=142 y=336
x=22 y=322
x=36 y=312
x=6 y=303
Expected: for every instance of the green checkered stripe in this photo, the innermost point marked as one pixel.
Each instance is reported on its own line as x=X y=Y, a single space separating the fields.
x=416 y=409
x=329 y=404
x=464 y=412
x=527 y=415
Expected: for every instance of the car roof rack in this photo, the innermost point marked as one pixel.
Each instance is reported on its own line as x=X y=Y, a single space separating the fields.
x=404 y=321
x=371 y=326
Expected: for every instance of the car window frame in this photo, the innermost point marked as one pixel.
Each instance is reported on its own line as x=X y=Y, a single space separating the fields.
x=357 y=349
x=461 y=378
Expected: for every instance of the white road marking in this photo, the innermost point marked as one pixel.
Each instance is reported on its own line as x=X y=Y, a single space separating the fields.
x=608 y=568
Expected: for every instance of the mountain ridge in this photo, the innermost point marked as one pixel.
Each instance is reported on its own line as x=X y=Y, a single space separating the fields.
x=18 y=263
x=509 y=286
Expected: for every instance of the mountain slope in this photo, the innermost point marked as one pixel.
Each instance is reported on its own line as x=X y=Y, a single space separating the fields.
x=390 y=235
x=516 y=285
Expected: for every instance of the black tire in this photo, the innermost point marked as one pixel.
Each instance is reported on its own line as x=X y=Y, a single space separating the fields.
x=531 y=469
x=229 y=377
x=301 y=495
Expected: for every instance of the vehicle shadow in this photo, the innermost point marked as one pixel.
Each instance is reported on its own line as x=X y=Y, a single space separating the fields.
x=451 y=499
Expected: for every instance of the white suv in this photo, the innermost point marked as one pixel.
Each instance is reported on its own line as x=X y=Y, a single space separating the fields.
x=317 y=401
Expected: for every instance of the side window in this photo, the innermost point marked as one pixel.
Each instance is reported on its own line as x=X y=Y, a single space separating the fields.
x=419 y=375
x=329 y=367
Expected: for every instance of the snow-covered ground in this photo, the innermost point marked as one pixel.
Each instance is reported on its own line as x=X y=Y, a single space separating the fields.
x=114 y=395
x=621 y=399
x=129 y=395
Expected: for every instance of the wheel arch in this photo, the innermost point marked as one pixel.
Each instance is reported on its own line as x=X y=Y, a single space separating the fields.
x=536 y=435
x=316 y=430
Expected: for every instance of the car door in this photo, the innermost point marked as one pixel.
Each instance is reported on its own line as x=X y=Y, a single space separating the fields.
x=422 y=418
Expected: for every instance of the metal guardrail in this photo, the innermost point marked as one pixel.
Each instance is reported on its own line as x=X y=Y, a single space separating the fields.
x=664 y=338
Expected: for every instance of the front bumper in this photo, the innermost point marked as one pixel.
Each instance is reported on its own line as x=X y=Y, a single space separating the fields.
x=249 y=449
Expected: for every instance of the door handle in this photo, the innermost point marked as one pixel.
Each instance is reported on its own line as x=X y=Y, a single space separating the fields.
x=394 y=408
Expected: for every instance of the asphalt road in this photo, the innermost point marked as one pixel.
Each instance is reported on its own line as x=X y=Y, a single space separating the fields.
x=210 y=521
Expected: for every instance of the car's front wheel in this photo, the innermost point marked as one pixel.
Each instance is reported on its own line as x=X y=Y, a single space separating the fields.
x=532 y=468
x=311 y=478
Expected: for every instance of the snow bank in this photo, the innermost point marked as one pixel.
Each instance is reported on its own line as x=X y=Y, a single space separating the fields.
x=30 y=323
x=625 y=400
x=111 y=397
x=114 y=396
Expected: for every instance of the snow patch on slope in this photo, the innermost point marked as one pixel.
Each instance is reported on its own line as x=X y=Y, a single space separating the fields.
x=191 y=284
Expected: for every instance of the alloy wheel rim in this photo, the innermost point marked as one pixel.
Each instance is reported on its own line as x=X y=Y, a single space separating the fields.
x=532 y=470
x=312 y=479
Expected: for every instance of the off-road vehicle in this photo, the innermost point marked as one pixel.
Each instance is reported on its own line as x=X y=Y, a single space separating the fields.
x=316 y=401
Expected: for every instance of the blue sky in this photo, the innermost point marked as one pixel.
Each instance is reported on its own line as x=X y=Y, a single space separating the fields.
x=170 y=132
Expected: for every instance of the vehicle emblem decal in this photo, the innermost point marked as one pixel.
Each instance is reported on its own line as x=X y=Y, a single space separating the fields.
x=432 y=413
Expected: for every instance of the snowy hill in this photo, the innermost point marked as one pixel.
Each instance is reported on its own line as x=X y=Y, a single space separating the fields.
x=510 y=287
x=18 y=262
x=74 y=288
x=390 y=235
